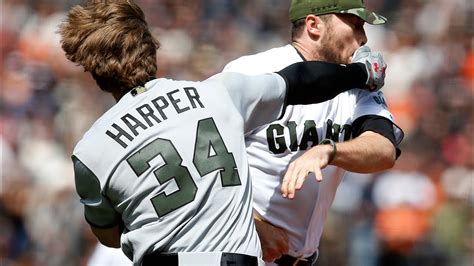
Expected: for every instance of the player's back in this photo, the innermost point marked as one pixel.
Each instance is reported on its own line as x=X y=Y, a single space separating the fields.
x=171 y=159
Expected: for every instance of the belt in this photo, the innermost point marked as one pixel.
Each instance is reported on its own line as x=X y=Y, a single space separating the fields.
x=287 y=260
x=227 y=259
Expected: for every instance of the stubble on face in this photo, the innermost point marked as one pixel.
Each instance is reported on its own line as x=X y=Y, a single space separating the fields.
x=332 y=47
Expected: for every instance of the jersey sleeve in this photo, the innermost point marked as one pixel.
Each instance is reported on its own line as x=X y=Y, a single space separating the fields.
x=237 y=66
x=259 y=99
x=98 y=210
x=374 y=104
x=250 y=65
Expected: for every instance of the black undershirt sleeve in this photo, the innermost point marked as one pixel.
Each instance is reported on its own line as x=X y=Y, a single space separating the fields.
x=316 y=81
x=378 y=124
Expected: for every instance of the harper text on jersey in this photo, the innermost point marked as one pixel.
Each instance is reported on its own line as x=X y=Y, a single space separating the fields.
x=153 y=113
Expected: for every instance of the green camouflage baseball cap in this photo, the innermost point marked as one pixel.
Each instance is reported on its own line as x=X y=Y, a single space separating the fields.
x=301 y=8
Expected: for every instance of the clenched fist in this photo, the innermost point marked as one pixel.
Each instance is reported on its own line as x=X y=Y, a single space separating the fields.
x=374 y=64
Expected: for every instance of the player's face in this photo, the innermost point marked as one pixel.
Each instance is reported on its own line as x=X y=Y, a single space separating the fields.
x=344 y=34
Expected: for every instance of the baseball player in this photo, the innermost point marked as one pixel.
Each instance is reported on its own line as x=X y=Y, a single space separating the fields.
x=355 y=129
x=163 y=174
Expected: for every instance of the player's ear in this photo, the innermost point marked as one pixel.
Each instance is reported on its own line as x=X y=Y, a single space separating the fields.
x=313 y=25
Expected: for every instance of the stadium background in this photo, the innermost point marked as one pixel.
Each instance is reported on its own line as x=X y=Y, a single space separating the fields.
x=419 y=213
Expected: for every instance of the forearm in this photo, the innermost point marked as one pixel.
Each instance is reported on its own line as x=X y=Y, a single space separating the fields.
x=273 y=240
x=315 y=82
x=368 y=153
x=108 y=237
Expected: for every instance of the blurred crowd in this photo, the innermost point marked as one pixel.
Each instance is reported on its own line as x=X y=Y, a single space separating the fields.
x=418 y=213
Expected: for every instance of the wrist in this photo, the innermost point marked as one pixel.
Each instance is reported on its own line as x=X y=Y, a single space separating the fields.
x=333 y=148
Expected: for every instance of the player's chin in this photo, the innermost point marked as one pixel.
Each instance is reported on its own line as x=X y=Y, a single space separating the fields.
x=347 y=59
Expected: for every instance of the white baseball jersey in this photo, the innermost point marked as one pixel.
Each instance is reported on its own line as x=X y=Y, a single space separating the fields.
x=169 y=161
x=272 y=147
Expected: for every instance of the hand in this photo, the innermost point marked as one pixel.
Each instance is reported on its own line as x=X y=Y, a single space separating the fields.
x=374 y=64
x=274 y=240
x=313 y=160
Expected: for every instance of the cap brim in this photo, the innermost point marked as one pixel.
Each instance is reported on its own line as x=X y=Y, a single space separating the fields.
x=368 y=16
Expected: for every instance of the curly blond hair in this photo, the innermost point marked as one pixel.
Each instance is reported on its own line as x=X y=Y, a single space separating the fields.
x=112 y=41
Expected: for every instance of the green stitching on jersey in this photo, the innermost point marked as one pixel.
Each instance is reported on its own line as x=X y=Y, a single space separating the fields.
x=210 y=154
x=207 y=138
x=172 y=169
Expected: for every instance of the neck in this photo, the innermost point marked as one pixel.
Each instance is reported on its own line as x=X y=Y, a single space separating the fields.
x=307 y=51
x=118 y=95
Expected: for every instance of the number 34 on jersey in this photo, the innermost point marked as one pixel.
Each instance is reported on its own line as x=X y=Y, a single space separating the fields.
x=210 y=154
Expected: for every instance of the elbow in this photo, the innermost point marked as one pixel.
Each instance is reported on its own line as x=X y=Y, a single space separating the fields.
x=108 y=237
x=110 y=244
x=389 y=163
x=385 y=152
x=388 y=159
